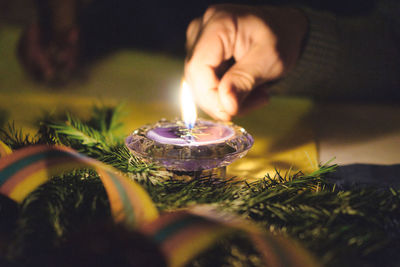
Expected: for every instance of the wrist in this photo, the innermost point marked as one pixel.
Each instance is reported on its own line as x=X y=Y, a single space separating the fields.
x=290 y=26
x=320 y=51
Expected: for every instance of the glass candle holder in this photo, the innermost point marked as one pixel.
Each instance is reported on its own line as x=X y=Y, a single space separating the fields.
x=204 y=150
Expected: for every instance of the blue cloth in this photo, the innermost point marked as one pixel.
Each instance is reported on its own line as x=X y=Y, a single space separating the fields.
x=366 y=175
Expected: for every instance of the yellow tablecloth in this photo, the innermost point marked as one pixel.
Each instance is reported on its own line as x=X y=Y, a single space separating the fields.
x=148 y=85
x=283 y=140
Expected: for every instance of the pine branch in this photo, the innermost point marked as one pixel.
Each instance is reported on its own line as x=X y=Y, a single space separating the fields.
x=78 y=134
x=107 y=120
x=15 y=138
x=103 y=142
x=120 y=158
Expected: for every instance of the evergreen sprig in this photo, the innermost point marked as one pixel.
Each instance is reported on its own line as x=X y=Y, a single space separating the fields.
x=100 y=138
x=77 y=134
x=107 y=121
x=15 y=138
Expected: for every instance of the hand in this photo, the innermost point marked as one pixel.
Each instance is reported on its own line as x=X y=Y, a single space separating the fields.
x=235 y=51
x=50 y=58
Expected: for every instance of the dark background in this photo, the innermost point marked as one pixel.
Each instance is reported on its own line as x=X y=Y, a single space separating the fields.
x=150 y=24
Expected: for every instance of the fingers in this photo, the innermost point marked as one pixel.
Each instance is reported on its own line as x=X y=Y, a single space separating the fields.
x=192 y=34
x=244 y=34
x=65 y=52
x=210 y=12
x=35 y=58
x=211 y=48
x=255 y=68
x=205 y=91
x=194 y=29
x=212 y=45
x=49 y=60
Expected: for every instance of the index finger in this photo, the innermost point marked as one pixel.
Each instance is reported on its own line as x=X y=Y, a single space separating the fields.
x=213 y=47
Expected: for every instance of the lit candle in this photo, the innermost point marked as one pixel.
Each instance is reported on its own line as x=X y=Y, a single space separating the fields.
x=190 y=132
x=190 y=144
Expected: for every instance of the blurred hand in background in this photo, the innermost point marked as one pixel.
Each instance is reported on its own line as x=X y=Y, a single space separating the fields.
x=235 y=52
x=48 y=48
x=51 y=60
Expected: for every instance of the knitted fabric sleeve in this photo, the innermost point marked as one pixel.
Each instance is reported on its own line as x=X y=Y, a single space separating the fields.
x=347 y=58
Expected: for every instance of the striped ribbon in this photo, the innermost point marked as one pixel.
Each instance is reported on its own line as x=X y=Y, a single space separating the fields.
x=26 y=169
x=185 y=234
x=4 y=150
x=181 y=235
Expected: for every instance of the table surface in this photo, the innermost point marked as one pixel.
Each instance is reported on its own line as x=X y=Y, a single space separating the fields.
x=358 y=133
x=288 y=132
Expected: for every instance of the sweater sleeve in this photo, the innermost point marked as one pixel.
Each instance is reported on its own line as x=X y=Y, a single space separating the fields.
x=347 y=58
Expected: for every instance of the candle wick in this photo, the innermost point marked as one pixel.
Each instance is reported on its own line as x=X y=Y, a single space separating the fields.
x=190 y=126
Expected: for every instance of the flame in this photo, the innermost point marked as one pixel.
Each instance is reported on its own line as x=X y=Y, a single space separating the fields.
x=188 y=107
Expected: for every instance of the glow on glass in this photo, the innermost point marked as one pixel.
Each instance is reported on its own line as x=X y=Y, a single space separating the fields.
x=188 y=106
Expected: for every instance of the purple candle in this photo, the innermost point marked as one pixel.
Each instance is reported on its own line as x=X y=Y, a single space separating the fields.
x=207 y=145
x=190 y=144
x=203 y=133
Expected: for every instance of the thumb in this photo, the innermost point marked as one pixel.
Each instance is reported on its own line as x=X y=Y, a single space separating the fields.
x=255 y=68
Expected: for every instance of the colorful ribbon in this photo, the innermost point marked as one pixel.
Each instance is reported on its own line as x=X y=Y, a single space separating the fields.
x=27 y=168
x=181 y=235
x=185 y=234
